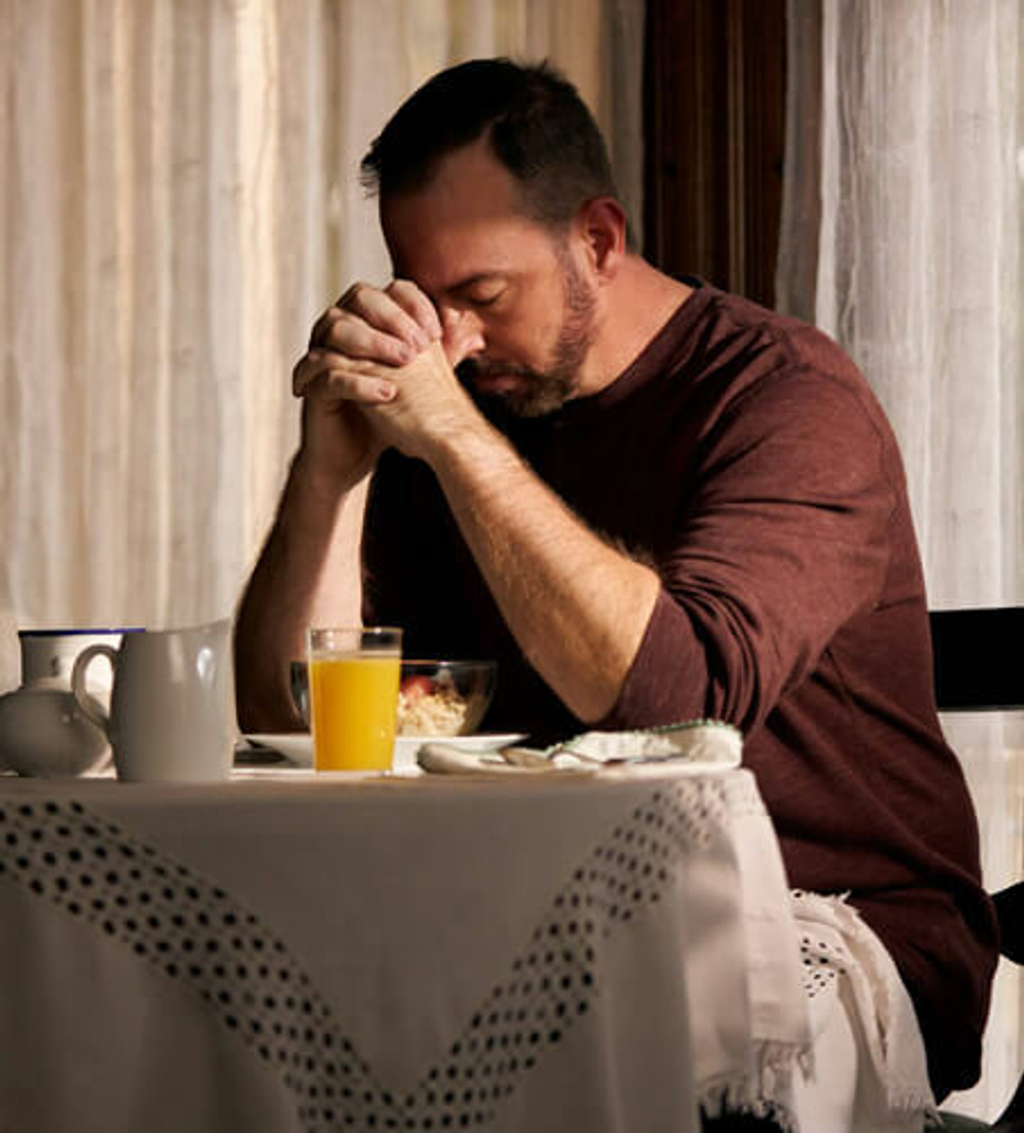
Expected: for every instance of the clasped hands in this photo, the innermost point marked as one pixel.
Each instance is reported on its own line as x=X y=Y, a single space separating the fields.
x=380 y=371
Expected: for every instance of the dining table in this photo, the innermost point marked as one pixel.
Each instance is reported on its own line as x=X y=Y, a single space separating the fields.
x=592 y=949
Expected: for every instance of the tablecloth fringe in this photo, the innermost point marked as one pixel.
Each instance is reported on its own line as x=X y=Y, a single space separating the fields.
x=880 y=998
x=759 y=1090
x=719 y=1101
x=909 y=1100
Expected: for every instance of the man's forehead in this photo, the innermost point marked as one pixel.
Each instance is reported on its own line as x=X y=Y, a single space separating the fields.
x=469 y=183
x=447 y=242
x=440 y=275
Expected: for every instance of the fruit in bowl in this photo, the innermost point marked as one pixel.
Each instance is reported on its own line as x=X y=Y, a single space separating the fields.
x=444 y=698
x=435 y=698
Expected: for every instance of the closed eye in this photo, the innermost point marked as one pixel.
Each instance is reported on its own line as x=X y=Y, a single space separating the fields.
x=485 y=300
x=482 y=289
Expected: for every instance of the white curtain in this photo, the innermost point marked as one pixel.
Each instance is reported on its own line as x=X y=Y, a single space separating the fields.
x=178 y=201
x=901 y=237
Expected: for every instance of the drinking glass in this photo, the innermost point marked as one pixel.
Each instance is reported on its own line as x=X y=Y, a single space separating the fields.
x=353 y=696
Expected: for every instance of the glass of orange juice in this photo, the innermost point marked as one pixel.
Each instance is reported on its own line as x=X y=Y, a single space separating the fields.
x=353 y=696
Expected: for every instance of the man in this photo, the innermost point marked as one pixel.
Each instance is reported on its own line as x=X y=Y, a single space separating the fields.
x=648 y=500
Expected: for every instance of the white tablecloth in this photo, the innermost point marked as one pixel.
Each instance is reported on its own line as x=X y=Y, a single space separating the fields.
x=578 y=953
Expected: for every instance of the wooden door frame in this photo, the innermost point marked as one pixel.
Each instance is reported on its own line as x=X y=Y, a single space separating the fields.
x=714 y=118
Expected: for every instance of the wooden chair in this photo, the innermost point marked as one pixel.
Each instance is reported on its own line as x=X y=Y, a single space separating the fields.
x=979 y=667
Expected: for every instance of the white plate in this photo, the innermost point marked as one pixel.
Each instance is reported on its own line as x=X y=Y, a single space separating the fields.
x=298 y=746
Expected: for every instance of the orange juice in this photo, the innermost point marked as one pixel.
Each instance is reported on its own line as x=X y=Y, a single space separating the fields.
x=353 y=700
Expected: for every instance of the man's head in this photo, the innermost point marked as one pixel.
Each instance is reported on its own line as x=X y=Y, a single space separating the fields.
x=532 y=119
x=497 y=201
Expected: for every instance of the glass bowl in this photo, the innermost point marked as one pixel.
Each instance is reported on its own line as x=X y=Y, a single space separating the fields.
x=444 y=698
x=435 y=698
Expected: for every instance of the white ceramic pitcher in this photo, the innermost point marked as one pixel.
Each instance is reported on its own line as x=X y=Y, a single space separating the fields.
x=172 y=708
x=42 y=730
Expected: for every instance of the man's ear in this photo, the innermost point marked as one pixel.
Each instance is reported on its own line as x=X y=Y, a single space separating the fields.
x=601 y=224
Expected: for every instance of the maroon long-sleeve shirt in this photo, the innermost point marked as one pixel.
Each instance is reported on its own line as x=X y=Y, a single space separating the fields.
x=745 y=457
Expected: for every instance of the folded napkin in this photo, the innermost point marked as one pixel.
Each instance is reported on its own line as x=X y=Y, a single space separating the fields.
x=697 y=745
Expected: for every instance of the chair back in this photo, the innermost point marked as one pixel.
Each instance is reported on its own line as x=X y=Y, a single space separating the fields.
x=978 y=656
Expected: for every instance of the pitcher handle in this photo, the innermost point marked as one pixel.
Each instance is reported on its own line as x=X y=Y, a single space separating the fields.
x=85 y=702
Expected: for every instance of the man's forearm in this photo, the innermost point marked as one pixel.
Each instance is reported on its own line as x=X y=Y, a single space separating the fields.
x=304 y=577
x=577 y=607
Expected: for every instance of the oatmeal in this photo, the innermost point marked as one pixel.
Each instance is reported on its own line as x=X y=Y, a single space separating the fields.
x=430 y=708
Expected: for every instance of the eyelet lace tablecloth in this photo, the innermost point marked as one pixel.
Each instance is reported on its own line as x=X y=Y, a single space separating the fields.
x=587 y=953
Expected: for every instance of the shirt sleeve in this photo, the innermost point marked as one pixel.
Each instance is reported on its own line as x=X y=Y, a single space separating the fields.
x=783 y=537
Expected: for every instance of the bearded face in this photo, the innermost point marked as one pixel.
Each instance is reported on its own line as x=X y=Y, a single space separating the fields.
x=523 y=288
x=542 y=391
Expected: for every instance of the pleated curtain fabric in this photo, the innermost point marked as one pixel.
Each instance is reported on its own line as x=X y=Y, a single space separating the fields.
x=901 y=237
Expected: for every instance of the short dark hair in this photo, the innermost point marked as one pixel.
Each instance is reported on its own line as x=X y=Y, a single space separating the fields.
x=534 y=119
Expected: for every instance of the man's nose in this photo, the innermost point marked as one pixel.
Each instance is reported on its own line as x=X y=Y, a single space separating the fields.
x=463 y=333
